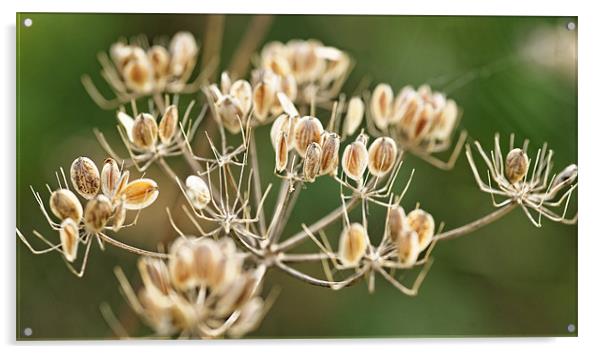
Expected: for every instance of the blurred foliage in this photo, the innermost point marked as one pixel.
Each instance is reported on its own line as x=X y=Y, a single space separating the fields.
x=507 y=279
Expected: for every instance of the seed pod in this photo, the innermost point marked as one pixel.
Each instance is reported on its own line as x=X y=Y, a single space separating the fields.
x=353 y=244
x=225 y=82
x=140 y=193
x=159 y=58
x=284 y=123
x=109 y=177
x=355 y=158
x=409 y=111
x=168 y=124
x=97 y=213
x=516 y=165
x=264 y=95
x=421 y=124
x=155 y=277
x=381 y=105
x=127 y=123
x=568 y=174
x=228 y=271
x=311 y=163
x=237 y=294
x=181 y=264
x=382 y=156
x=138 y=74
x=230 y=113
x=121 y=184
x=64 y=204
x=207 y=259
x=408 y=248
x=307 y=130
x=183 y=314
x=183 y=49
x=241 y=89
x=119 y=215
x=144 y=131
x=355 y=114
x=330 y=153
x=69 y=235
x=397 y=223
x=446 y=120
x=288 y=85
x=85 y=177
x=250 y=317
x=198 y=192
x=120 y=54
x=423 y=224
x=281 y=151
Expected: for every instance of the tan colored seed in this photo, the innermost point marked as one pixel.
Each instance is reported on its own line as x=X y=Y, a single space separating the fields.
x=183 y=49
x=284 y=123
x=423 y=224
x=138 y=76
x=288 y=85
x=168 y=126
x=140 y=193
x=249 y=319
x=307 y=130
x=569 y=174
x=159 y=58
x=516 y=165
x=198 y=192
x=207 y=260
x=355 y=115
x=408 y=248
x=264 y=95
x=311 y=162
x=228 y=271
x=355 y=158
x=85 y=177
x=181 y=264
x=353 y=244
x=422 y=123
x=144 y=131
x=109 y=177
x=237 y=294
x=121 y=184
x=397 y=223
x=69 y=235
x=330 y=153
x=446 y=120
x=230 y=113
x=381 y=105
x=225 y=82
x=64 y=204
x=97 y=213
x=183 y=314
x=155 y=276
x=382 y=156
x=409 y=111
x=119 y=215
x=281 y=151
x=241 y=89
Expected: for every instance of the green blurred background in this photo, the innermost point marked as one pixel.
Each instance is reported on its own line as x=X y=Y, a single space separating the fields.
x=509 y=74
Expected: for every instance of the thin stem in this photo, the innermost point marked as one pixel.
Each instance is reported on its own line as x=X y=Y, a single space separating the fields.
x=475 y=225
x=132 y=248
x=256 y=181
x=320 y=282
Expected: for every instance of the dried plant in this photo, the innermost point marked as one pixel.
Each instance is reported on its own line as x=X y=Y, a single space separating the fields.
x=208 y=284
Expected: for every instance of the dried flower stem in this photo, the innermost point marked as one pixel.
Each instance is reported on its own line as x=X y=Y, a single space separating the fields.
x=475 y=225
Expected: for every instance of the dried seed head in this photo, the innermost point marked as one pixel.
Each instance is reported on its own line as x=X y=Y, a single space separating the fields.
x=230 y=113
x=140 y=193
x=281 y=151
x=516 y=165
x=119 y=215
x=355 y=158
x=250 y=317
x=198 y=192
x=330 y=153
x=311 y=163
x=69 y=234
x=288 y=85
x=410 y=106
x=397 y=223
x=408 y=248
x=109 y=177
x=241 y=89
x=353 y=244
x=138 y=73
x=168 y=124
x=120 y=54
x=446 y=121
x=423 y=224
x=264 y=96
x=228 y=270
x=307 y=130
x=568 y=174
x=97 y=213
x=181 y=264
x=382 y=156
x=85 y=177
x=207 y=260
x=183 y=49
x=305 y=62
x=64 y=204
x=284 y=123
x=355 y=114
x=421 y=124
x=155 y=277
x=381 y=105
x=159 y=58
x=144 y=131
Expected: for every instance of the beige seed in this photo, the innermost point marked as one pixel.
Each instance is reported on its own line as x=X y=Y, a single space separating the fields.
x=168 y=124
x=109 y=177
x=422 y=123
x=181 y=264
x=516 y=165
x=69 y=235
x=397 y=223
x=155 y=276
x=381 y=105
x=264 y=95
x=330 y=153
x=307 y=130
x=225 y=82
x=97 y=213
x=236 y=294
x=408 y=248
x=382 y=156
x=121 y=184
x=288 y=85
x=446 y=120
x=355 y=158
x=140 y=193
x=207 y=260
x=228 y=272
x=64 y=204
x=423 y=224
x=569 y=174
x=249 y=319
x=198 y=192
x=230 y=113
x=119 y=215
x=144 y=131
x=183 y=49
x=85 y=177
x=311 y=162
x=409 y=111
x=284 y=123
x=355 y=115
x=241 y=90
x=183 y=315
x=138 y=74
x=353 y=244
x=159 y=58
x=281 y=151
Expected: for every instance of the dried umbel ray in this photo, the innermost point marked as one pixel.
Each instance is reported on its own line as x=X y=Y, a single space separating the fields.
x=209 y=283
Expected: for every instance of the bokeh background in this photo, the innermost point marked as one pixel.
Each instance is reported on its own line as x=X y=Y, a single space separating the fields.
x=509 y=74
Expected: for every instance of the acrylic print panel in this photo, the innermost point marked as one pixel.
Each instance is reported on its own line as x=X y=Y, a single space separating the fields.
x=296 y=176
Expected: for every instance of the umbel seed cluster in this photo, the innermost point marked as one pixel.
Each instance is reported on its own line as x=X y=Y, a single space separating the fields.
x=205 y=280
